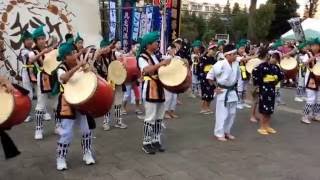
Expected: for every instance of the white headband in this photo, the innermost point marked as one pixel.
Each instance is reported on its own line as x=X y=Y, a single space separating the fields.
x=230 y=52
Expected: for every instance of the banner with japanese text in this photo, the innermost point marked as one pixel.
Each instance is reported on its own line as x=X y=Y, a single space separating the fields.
x=59 y=18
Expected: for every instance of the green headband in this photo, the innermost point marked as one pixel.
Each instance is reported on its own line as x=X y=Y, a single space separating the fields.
x=39 y=32
x=313 y=41
x=147 y=39
x=241 y=43
x=78 y=38
x=64 y=50
x=105 y=42
x=25 y=35
x=196 y=44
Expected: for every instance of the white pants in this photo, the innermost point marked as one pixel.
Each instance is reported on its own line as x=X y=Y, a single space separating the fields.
x=66 y=131
x=225 y=116
x=26 y=83
x=171 y=100
x=154 y=111
x=242 y=84
x=313 y=97
x=118 y=97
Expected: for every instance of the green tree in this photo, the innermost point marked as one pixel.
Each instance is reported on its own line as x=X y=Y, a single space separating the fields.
x=236 y=9
x=208 y=35
x=284 y=10
x=215 y=23
x=239 y=26
x=312 y=7
x=251 y=20
x=263 y=19
x=227 y=9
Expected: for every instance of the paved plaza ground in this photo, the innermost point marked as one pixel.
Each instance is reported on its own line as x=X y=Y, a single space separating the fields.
x=192 y=152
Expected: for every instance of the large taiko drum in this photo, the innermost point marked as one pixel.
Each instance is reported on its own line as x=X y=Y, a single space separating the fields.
x=50 y=62
x=89 y=93
x=290 y=67
x=14 y=107
x=252 y=63
x=123 y=70
x=316 y=71
x=175 y=77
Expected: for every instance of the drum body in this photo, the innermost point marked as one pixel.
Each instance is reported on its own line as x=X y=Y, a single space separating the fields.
x=50 y=62
x=252 y=63
x=290 y=67
x=123 y=70
x=15 y=107
x=89 y=93
x=175 y=77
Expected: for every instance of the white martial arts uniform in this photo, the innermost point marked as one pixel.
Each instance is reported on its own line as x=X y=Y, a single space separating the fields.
x=26 y=81
x=301 y=75
x=242 y=85
x=225 y=75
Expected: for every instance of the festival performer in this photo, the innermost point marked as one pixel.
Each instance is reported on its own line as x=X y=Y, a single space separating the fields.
x=9 y=148
x=70 y=116
x=303 y=54
x=102 y=60
x=224 y=76
x=312 y=107
x=266 y=76
x=29 y=79
x=171 y=98
x=117 y=51
x=245 y=76
x=219 y=54
x=195 y=57
x=44 y=80
x=133 y=86
x=207 y=90
x=152 y=92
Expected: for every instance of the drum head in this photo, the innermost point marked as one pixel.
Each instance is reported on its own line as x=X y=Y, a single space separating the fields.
x=252 y=63
x=173 y=74
x=80 y=87
x=316 y=69
x=6 y=106
x=288 y=63
x=50 y=62
x=117 y=72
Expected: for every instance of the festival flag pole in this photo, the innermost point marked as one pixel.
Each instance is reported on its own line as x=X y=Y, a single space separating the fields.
x=163 y=27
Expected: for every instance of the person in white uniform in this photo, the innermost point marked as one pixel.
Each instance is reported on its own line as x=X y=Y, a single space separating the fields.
x=152 y=93
x=302 y=55
x=224 y=75
x=69 y=115
x=29 y=79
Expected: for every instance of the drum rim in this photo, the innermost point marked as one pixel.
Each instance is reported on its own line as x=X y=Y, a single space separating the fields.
x=159 y=76
x=256 y=65
x=291 y=59
x=91 y=94
x=13 y=105
x=117 y=61
x=312 y=70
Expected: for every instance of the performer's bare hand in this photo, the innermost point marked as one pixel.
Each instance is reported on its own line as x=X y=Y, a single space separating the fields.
x=47 y=50
x=165 y=62
x=218 y=90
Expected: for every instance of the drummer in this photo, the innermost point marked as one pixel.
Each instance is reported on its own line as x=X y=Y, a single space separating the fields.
x=28 y=77
x=303 y=54
x=195 y=56
x=312 y=107
x=152 y=93
x=102 y=60
x=68 y=115
x=43 y=80
x=224 y=76
x=244 y=78
x=9 y=148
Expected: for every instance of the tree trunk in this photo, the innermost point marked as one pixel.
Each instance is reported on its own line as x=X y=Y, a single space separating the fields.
x=251 y=21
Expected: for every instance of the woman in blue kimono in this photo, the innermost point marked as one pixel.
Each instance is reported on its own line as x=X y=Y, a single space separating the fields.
x=266 y=76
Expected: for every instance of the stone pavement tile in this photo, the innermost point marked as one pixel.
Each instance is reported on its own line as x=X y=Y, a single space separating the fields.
x=127 y=174
x=149 y=169
x=173 y=162
x=178 y=175
x=24 y=174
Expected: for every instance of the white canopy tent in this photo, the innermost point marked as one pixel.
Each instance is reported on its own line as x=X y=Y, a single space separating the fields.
x=310 y=26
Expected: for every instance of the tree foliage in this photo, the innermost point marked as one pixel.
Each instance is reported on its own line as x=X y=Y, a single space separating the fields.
x=284 y=10
x=236 y=9
x=263 y=19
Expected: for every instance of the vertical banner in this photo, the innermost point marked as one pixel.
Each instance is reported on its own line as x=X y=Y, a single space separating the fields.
x=175 y=19
x=156 y=19
x=136 y=25
x=149 y=13
x=296 y=26
x=126 y=25
x=112 y=20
